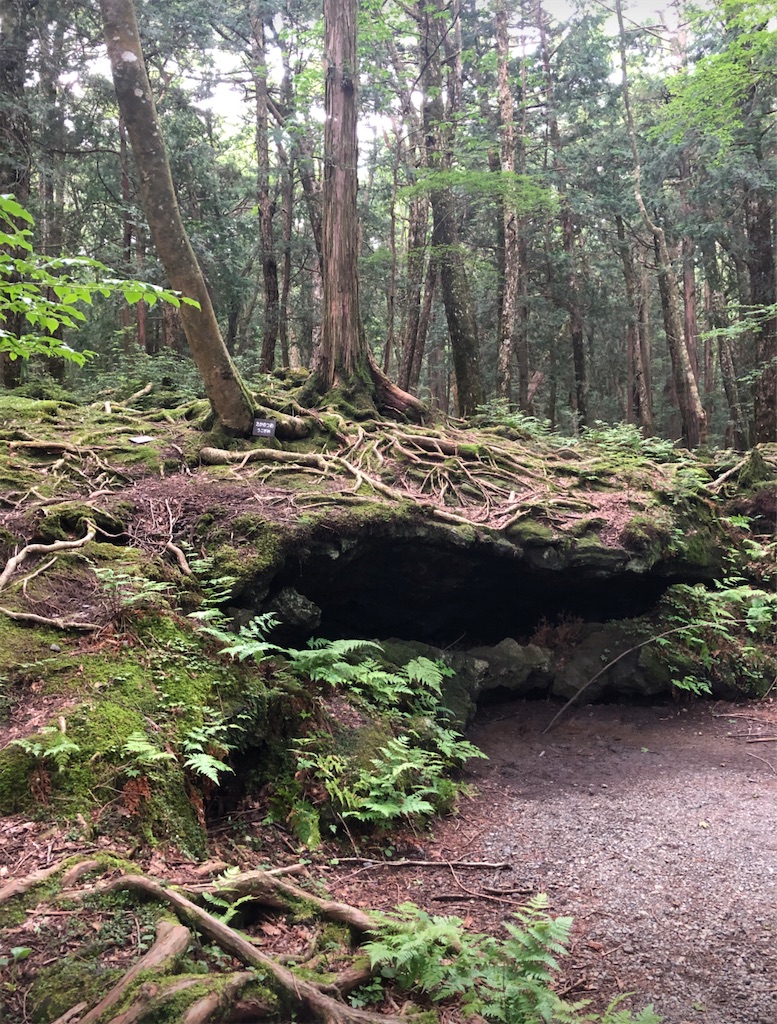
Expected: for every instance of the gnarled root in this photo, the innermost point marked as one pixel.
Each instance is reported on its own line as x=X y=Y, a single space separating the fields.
x=171 y=941
x=311 y=999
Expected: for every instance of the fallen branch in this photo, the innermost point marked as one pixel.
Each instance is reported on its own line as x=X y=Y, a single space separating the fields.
x=369 y=863
x=171 y=941
x=15 y=561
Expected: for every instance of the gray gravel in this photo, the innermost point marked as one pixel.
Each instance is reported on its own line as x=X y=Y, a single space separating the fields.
x=656 y=828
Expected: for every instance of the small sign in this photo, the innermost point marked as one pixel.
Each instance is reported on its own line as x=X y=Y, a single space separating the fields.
x=141 y=439
x=263 y=428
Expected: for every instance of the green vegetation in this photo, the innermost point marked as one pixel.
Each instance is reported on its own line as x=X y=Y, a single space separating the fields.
x=497 y=980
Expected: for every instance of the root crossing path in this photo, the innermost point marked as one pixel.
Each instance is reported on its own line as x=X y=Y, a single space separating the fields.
x=656 y=828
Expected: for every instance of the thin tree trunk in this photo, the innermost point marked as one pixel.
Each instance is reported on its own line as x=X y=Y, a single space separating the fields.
x=692 y=413
x=763 y=284
x=264 y=198
x=568 y=232
x=511 y=265
x=639 y=399
x=438 y=121
x=16 y=25
x=231 y=402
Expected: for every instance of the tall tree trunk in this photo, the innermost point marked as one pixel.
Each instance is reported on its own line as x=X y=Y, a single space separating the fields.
x=342 y=346
x=264 y=198
x=568 y=231
x=694 y=418
x=231 y=402
x=16 y=26
x=511 y=265
x=759 y=212
x=438 y=128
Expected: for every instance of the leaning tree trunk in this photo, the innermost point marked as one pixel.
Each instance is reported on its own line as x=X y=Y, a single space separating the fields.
x=230 y=401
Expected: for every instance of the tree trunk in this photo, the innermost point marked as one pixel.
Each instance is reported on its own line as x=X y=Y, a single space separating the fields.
x=341 y=352
x=759 y=212
x=15 y=158
x=639 y=400
x=694 y=418
x=568 y=232
x=438 y=130
x=264 y=200
x=231 y=402
x=511 y=268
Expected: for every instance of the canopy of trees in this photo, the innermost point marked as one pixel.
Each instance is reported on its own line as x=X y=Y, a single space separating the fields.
x=569 y=209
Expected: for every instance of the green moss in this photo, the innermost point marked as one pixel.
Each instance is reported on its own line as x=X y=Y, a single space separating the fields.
x=589 y=525
x=647 y=536
x=16 y=767
x=70 y=980
x=531 y=533
x=62 y=521
x=16 y=407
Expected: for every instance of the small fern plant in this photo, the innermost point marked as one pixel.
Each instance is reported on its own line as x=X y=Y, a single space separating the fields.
x=51 y=744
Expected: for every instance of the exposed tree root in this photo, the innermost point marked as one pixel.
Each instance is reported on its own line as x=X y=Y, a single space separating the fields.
x=321 y=1002
x=273 y=892
x=171 y=941
x=16 y=560
x=54 y=622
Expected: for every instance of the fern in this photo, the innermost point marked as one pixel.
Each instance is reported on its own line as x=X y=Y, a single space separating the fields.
x=207 y=765
x=509 y=981
x=53 y=743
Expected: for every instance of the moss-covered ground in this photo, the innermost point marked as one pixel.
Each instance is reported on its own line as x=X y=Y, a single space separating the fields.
x=123 y=724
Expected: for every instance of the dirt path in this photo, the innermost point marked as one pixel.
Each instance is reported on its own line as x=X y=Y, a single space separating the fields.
x=656 y=828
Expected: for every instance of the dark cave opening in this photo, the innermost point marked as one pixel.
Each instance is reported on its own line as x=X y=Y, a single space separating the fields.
x=456 y=596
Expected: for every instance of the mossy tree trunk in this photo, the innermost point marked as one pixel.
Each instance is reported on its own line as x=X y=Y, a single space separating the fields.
x=231 y=402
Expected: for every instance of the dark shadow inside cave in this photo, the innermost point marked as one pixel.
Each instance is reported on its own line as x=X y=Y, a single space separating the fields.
x=455 y=596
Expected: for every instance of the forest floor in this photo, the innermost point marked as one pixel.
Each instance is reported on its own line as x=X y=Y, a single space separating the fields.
x=652 y=826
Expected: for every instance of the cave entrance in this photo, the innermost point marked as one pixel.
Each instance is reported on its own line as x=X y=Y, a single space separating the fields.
x=456 y=597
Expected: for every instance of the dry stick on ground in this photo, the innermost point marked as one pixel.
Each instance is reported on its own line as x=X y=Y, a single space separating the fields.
x=306 y=994
x=16 y=560
x=369 y=863
x=171 y=941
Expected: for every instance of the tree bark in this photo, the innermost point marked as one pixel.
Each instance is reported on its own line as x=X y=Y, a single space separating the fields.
x=231 y=402
x=511 y=264
x=438 y=121
x=568 y=232
x=759 y=212
x=640 y=401
x=15 y=159
x=341 y=350
x=264 y=199
x=694 y=418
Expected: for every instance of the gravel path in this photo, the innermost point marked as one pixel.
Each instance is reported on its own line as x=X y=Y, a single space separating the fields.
x=657 y=829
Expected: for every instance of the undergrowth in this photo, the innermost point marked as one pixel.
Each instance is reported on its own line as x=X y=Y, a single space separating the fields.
x=501 y=980
x=408 y=774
